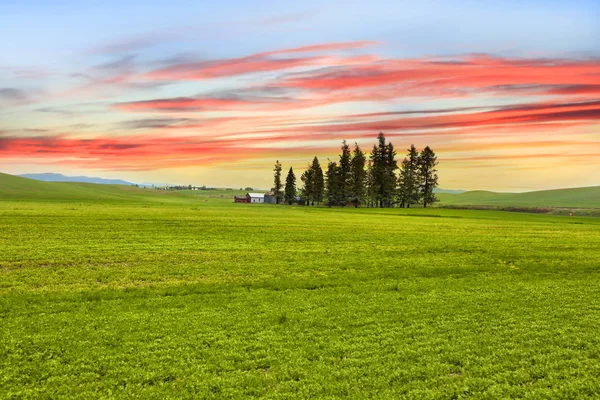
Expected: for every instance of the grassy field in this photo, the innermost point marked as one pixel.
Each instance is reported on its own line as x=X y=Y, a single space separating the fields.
x=117 y=292
x=585 y=197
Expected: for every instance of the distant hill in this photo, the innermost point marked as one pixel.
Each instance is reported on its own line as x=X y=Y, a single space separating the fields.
x=450 y=191
x=50 y=177
x=16 y=188
x=584 y=197
x=19 y=189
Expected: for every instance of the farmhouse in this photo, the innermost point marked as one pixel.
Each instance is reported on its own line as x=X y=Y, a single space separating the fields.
x=250 y=198
x=256 y=197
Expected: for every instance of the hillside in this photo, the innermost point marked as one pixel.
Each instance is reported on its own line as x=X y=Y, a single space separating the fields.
x=15 y=188
x=51 y=177
x=584 y=197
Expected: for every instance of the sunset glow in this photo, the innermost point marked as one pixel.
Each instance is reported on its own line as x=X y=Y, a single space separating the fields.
x=213 y=95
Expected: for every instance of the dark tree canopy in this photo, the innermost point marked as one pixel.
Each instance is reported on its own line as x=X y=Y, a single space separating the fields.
x=344 y=171
x=290 y=187
x=409 y=179
x=384 y=167
x=277 y=185
x=373 y=181
x=308 y=188
x=318 y=182
x=358 y=176
x=313 y=183
x=428 y=175
x=332 y=185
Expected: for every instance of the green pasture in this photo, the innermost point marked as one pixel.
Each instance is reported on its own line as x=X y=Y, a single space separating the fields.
x=584 y=197
x=118 y=292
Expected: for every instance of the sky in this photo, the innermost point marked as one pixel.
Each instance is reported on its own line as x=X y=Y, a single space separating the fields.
x=506 y=93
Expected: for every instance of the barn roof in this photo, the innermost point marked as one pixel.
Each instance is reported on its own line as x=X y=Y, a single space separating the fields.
x=256 y=194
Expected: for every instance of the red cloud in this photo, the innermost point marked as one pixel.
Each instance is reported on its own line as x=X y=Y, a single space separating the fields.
x=260 y=62
x=427 y=77
x=204 y=104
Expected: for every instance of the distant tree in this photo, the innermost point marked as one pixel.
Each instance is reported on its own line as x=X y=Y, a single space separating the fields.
x=308 y=190
x=390 y=180
x=290 y=187
x=409 y=179
x=332 y=186
x=318 y=183
x=277 y=185
x=344 y=179
x=248 y=189
x=428 y=175
x=358 y=176
x=370 y=186
x=383 y=170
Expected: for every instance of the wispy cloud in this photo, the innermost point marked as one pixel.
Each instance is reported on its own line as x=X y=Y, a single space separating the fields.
x=260 y=62
x=286 y=103
x=13 y=95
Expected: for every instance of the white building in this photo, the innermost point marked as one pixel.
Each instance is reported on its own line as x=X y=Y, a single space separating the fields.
x=256 y=197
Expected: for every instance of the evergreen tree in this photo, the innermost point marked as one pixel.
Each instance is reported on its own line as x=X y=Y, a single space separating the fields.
x=376 y=174
x=371 y=192
x=383 y=166
x=428 y=175
x=308 y=190
x=318 y=184
x=358 y=176
x=290 y=187
x=344 y=171
x=277 y=185
x=332 y=186
x=390 y=175
x=409 y=179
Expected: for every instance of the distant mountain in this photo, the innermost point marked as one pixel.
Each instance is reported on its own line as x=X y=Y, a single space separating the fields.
x=62 y=178
x=449 y=191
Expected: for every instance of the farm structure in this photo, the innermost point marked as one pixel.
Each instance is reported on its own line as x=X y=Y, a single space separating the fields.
x=270 y=198
x=250 y=198
x=241 y=199
x=256 y=197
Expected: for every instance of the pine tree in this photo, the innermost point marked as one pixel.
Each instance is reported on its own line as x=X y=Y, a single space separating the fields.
x=383 y=165
x=376 y=161
x=277 y=183
x=318 y=184
x=344 y=171
x=428 y=175
x=390 y=175
x=409 y=179
x=308 y=190
x=371 y=190
x=290 y=187
x=358 y=176
x=332 y=186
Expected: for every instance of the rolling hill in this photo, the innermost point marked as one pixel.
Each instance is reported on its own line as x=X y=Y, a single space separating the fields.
x=584 y=197
x=16 y=188
x=19 y=189
x=51 y=177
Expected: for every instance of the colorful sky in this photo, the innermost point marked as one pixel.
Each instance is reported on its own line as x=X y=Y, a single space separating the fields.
x=197 y=92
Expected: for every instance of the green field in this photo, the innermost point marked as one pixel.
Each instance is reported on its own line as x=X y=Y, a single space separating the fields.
x=118 y=292
x=585 y=197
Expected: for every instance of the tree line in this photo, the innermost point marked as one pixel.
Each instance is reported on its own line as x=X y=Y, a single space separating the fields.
x=376 y=181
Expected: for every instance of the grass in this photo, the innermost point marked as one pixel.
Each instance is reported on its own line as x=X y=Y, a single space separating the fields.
x=584 y=197
x=123 y=293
